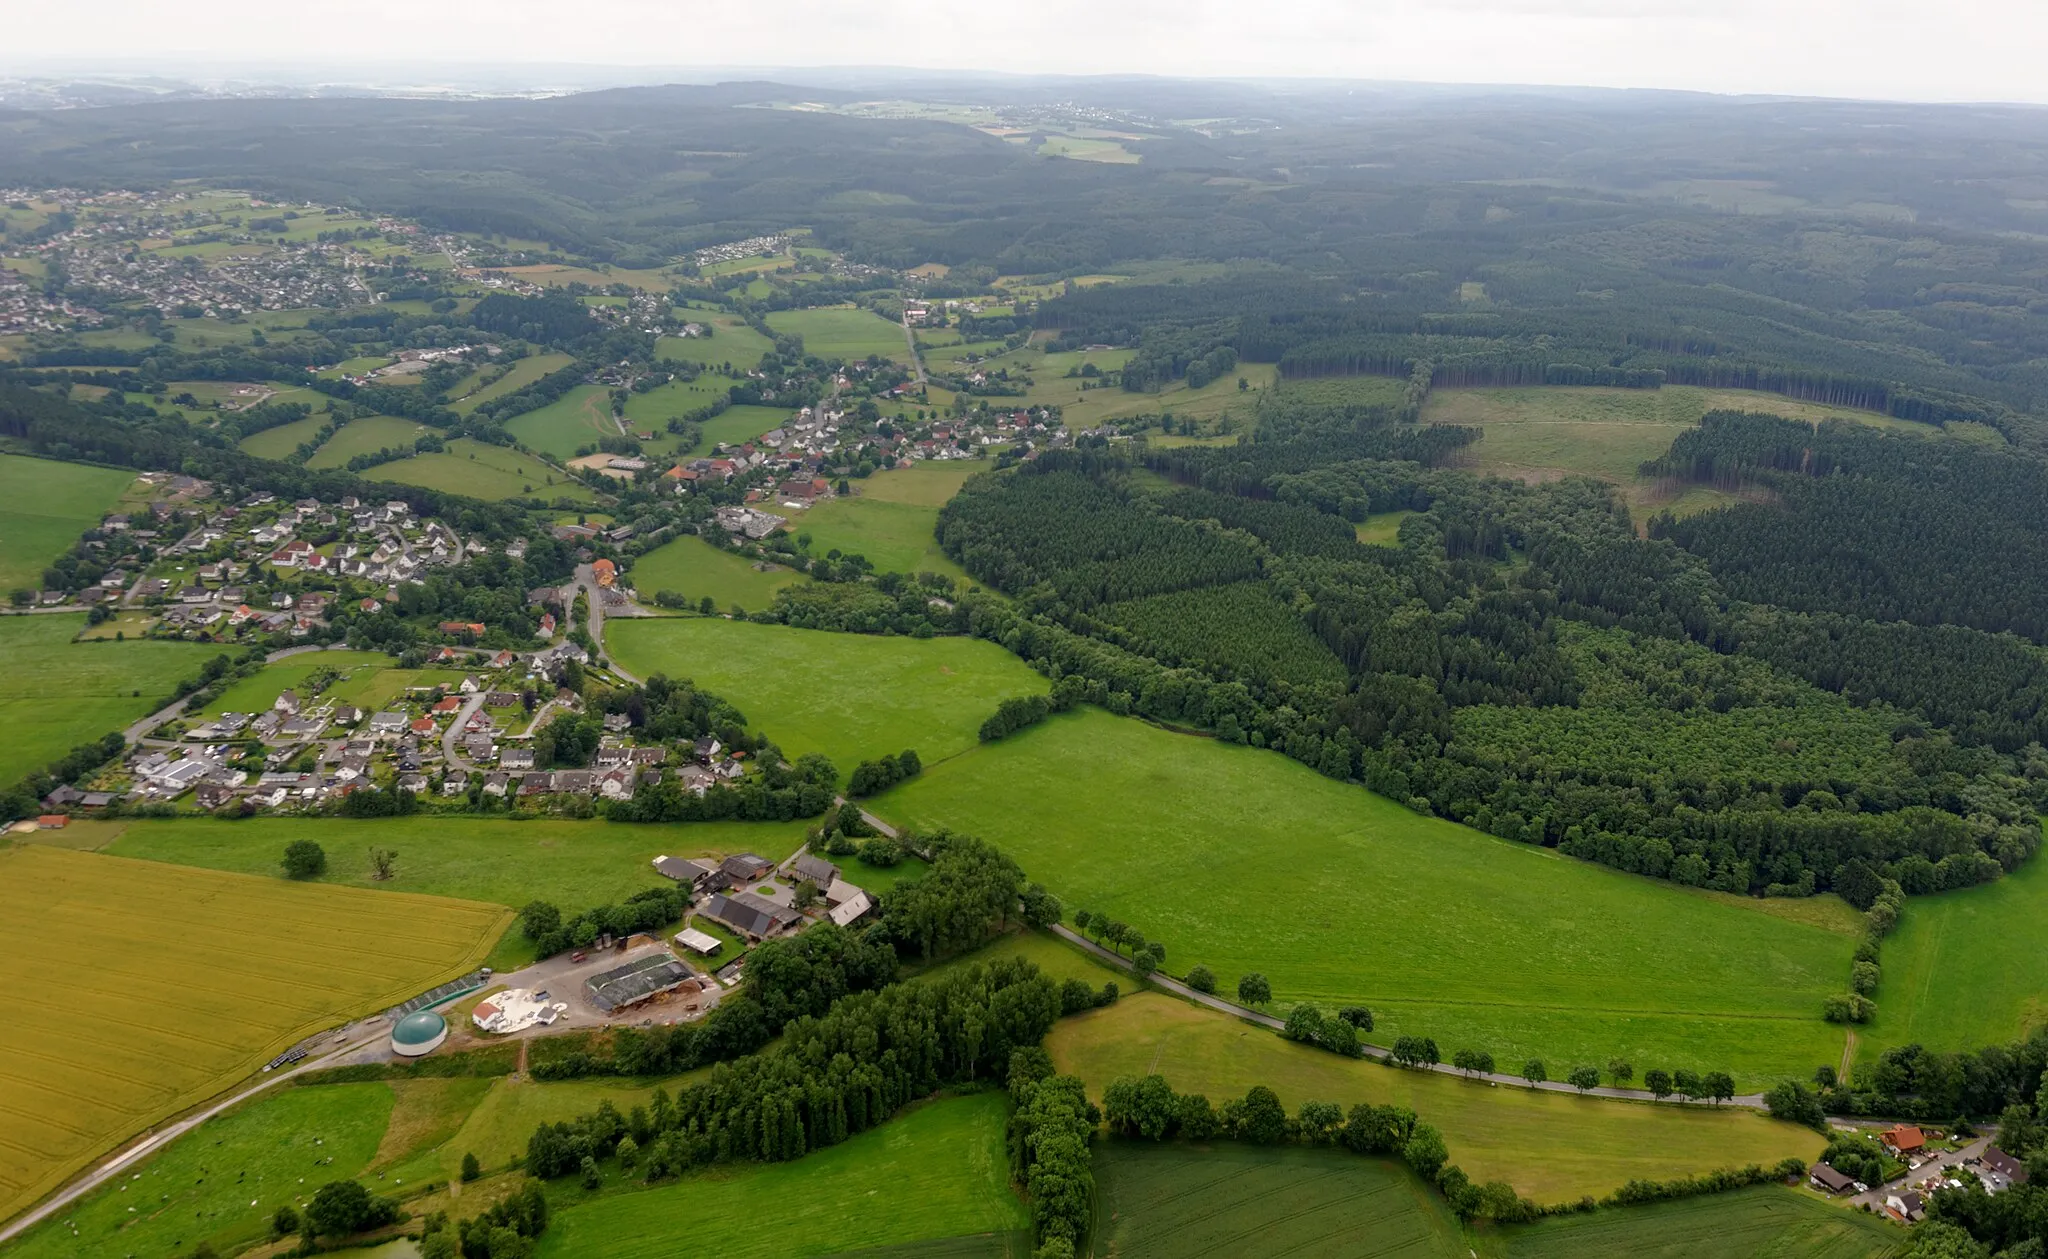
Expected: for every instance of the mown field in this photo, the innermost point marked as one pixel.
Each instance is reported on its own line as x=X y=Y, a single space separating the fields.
x=366 y=436
x=1966 y=968
x=276 y=443
x=574 y=864
x=523 y=373
x=577 y=418
x=259 y=691
x=484 y=471
x=851 y=696
x=1553 y=1147
x=932 y=483
x=895 y=537
x=731 y=341
x=694 y=567
x=44 y=506
x=1173 y=1200
x=939 y=1171
x=846 y=332
x=222 y=1184
x=1245 y=861
x=655 y=408
x=739 y=425
x=176 y=982
x=1766 y=1222
x=56 y=694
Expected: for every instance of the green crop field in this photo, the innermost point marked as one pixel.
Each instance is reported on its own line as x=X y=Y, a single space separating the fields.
x=180 y=984
x=851 y=696
x=1966 y=968
x=574 y=864
x=846 y=332
x=739 y=425
x=365 y=437
x=222 y=1183
x=523 y=373
x=932 y=483
x=1174 y=1200
x=731 y=341
x=276 y=443
x=44 y=506
x=481 y=470
x=895 y=537
x=938 y=1171
x=1766 y=1222
x=1246 y=861
x=56 y=694
x=694 y=567
x=576 y=419
x=1553 y=1147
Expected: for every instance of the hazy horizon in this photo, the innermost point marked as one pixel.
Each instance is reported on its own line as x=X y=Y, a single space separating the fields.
x=1973 y=51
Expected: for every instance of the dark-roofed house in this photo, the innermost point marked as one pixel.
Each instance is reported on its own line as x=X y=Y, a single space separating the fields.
x=1828 y=1180
x=683 y=870
x=752 y=916
x=1999 y=1163
x=636 y=981
x=1906 y=1207
x=814 y=870
x=745 y=867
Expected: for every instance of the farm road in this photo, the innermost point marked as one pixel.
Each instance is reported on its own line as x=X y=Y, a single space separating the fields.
x=1753 y=1101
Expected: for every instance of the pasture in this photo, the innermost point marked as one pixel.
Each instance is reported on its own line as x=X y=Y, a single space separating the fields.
x=691 y=566
x=1553 y=1147
x=1966 y=968
x=895 y=537
x=1168 y=1200
x=257 y=692
x=932 y=483
x=56 y=694
x=482 y=470
x=738 y=425
x=731 y=341
x=939 y=1171
x=1246 y=861
x=574 y=864
x=44 y=506
x=222 y=1183
x=655 y=408
x=577 y=418
x=845 y=332
x=1542 y=433
x=1764 y=1222
x=93 y=1051
x=366 y=436
x=523 y=373
x=852 y=697
x=276 y=443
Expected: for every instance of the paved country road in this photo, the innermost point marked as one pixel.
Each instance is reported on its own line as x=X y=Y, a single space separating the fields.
x=1752 y=1101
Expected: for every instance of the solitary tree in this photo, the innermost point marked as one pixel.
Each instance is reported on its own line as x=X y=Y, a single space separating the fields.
x=382 y=862
x=1533 y=1071
x=806 y=895
x=304 y=859
x=1583 y=1078
x=1358 y=1016
x=1254 y=990
x=1202 y=979
x=471 y=1169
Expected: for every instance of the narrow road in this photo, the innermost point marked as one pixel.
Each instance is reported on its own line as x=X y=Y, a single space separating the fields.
x=877 y=825
x=1752 y=1101
x=916 y=359
x=451 y=738
x=586 y=582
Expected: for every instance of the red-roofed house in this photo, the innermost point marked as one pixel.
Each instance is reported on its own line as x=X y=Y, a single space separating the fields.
x=447 y=704
x=423 y=725
x=1903 y=1139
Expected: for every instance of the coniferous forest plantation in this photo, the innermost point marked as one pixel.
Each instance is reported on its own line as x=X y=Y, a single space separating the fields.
x=918 y=665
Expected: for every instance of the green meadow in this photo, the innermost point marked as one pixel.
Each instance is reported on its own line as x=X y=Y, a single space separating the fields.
x=655 y=408
x=276 y=443
x=895 y=537
x=739 y=425
x=44 y=506
x=731 y=341
x=939 y=1171
x=1764 y=1222
x=366 y=436
x=852 y=697
x=1245 y=861
x=523 y=373
x=1966 y=968
x=691 y=566
x=931 y=483
x=260 y=690
x=222 y=1184
x=844 y=332
x=56 y=694
x=1165 y=1200
x=576 y=419
x=1552 y=1147
x=481 y=470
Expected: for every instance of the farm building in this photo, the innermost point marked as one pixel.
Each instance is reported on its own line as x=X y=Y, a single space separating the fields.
x=1828 y=1180
x=418 y=1034
x=636 y=981
x=750 y=915
x=848 y=904
x=515 y=1010
x=683 y=870
x=698 y=942
x=745 y=867
x=815 y=870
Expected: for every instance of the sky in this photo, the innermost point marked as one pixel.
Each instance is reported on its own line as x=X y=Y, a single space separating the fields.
x=1942 y=50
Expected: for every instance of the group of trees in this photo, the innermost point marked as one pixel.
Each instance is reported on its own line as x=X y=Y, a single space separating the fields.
x=871 y=778
x=644 y=911
x=1049 y=1136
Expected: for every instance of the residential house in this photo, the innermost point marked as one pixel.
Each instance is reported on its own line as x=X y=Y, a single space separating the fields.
x=517 y=758
x=2003 y=1166
x=1828 y=1180
x=497 y=784
x=1903 y=1139
x=1906 y=1207
x=387 y=725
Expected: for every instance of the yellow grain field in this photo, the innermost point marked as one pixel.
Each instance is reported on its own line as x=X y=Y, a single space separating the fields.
x=137 y=989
